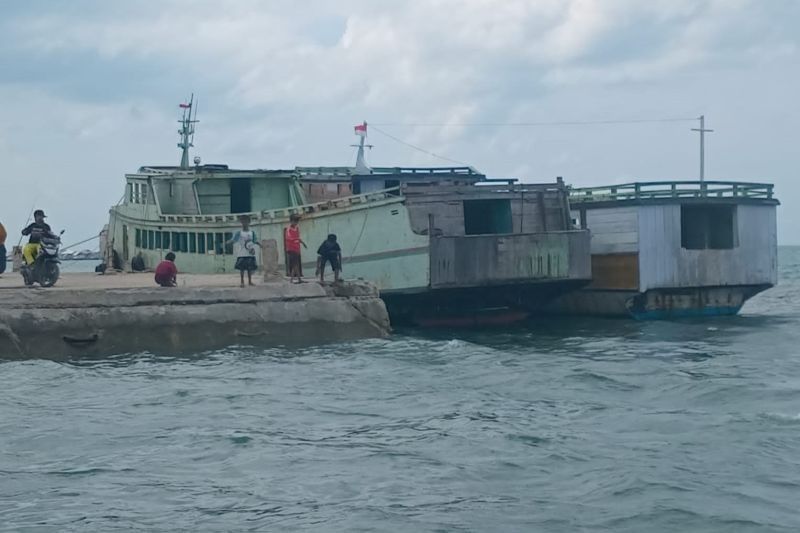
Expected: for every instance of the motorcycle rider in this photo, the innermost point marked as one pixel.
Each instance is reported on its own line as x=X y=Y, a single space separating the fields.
x=36 y=229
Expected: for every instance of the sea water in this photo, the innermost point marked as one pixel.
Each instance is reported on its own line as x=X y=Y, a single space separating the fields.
x=558 y=425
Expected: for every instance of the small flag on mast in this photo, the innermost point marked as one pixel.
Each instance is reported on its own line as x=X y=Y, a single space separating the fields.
x=184 y=106
x=361 y=130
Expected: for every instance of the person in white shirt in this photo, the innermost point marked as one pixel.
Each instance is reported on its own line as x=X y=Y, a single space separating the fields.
x=245 y=242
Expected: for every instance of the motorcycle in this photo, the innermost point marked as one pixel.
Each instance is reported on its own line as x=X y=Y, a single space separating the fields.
x=45 y=269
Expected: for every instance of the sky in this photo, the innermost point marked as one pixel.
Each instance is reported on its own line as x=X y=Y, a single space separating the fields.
x=90 y=90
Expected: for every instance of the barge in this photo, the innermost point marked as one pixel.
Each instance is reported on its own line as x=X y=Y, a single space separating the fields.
x=675 y=248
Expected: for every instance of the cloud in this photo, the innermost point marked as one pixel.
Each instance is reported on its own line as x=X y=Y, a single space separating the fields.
x=93 y=85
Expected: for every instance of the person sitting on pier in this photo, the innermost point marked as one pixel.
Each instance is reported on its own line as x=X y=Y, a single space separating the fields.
x=137 y=263
x=36 y=229
x=291 y=243
x=329 y=252
x=167 y=272
x=246 y=242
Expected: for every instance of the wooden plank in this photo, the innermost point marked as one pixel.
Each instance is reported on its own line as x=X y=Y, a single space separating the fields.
x=615 y=271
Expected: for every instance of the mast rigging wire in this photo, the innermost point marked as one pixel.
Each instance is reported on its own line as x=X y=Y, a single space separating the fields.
x=415 y=147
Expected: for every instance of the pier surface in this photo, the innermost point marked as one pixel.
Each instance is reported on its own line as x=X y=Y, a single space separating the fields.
x=90 y=314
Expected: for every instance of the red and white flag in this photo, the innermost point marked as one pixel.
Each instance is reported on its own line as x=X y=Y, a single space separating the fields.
x=184 y=106
x=361 y=130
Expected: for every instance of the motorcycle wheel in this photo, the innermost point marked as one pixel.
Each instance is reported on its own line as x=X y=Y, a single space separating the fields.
x=51 y=272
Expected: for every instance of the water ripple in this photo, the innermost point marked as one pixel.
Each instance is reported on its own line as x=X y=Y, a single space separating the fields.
x=564 y=425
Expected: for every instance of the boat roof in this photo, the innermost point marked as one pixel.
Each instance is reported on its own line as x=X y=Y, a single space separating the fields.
x=382 y=173
x=208 y=171
x=316 y=173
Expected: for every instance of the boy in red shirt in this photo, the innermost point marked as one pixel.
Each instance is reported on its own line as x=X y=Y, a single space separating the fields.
x=291 y=243
x=167 y=272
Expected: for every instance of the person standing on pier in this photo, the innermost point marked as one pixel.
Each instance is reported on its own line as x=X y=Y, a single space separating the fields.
x=291 y=243
x=246 y=242
x=167 y=272
x=3 y=235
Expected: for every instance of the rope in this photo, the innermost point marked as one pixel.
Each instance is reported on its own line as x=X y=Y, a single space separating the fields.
x=363 y=227
x=81 y=242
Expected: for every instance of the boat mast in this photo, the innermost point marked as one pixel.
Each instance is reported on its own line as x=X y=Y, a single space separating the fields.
x=186 y=132
x=361 y=163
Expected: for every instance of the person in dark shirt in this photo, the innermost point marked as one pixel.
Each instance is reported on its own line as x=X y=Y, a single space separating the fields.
x=167 y=272
x=137 y=263
x=329 y=252
x=36 y=229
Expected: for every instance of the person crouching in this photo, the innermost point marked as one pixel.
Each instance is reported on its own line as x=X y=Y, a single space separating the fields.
x=329 y=252
x=167 y=272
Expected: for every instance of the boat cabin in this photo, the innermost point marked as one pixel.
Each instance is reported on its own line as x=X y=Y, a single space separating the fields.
x=681 y=247
x=212 y=189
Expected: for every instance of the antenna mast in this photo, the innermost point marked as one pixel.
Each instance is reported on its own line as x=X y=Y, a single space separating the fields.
x=186 y=132
x=702 y=130
x=361 y=163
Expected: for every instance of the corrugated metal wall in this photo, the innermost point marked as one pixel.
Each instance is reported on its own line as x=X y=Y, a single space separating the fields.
x=664 y=263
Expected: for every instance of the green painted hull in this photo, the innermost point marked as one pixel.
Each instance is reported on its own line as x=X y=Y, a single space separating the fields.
x=376 y=239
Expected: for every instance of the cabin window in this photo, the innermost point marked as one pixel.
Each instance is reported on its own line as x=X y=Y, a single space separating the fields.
x=209 y=241
x=130 y=193
x=158 y=240
x=151 y=239
x=219 y=243
x=165 y=240
x=390 y=184
x=201 y=243
x=138 y=238
x=144 y=193
x=711 y=227
x=487 y=217
x=193 y=243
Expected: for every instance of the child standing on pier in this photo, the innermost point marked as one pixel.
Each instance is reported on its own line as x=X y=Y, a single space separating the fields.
x=291 y=243
x=246 y=242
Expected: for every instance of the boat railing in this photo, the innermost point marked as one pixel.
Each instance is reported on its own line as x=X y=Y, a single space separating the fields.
x=653 y=190
x=283 y=213
x=388 y=172
x=482 y=187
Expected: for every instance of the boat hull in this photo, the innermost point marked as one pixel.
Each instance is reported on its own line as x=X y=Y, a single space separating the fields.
x=474 y=306
x=658 y=304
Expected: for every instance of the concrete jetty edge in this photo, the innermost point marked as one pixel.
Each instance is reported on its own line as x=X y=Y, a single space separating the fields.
x=114 y=318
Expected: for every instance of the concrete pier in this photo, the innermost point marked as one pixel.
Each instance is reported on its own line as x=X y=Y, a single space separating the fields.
x=90 y=314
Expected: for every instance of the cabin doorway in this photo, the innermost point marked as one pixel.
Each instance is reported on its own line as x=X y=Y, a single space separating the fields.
x=125 y=245
x=241 y=198
x=487 y=217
